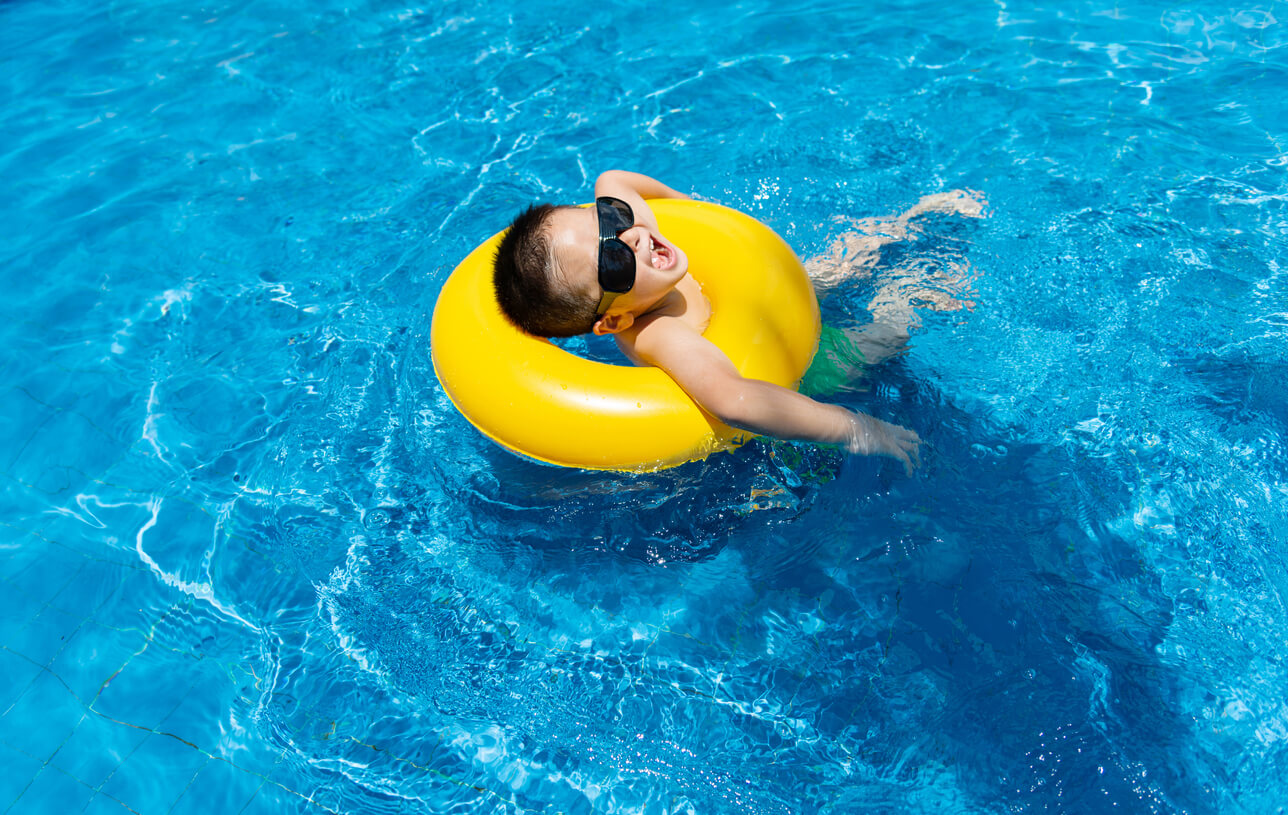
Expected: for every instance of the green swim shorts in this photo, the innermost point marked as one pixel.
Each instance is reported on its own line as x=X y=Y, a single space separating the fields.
x=836 y=363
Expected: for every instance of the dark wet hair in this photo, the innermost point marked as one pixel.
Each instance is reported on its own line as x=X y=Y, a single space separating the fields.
x=531 y=292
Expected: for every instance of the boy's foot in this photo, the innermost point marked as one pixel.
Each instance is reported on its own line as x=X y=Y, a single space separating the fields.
x=966 y=203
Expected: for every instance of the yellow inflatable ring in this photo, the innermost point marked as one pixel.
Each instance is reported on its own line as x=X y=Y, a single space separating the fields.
x=537 y=399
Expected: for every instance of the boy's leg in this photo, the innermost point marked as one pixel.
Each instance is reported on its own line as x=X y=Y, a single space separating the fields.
x=917 y=284
x=877 y=342
x=844 y=356
x=853 y=254
x=849 y=352
x=921 y=284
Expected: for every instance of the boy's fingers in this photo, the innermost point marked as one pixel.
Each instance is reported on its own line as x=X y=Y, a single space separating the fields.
x=900 y=451
x=911 y=450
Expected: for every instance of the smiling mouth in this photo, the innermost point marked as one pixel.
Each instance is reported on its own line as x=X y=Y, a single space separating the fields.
x=661 y=255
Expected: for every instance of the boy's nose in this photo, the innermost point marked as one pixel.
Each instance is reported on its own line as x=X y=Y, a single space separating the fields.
x=634 y=236
x=629 y=237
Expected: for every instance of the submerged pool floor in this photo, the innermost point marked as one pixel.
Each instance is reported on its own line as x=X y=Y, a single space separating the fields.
x=255 y=562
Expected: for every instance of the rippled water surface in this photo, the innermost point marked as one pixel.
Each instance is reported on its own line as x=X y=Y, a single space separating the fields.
x=255 y=562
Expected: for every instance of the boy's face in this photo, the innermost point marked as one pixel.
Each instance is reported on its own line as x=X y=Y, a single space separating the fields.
x=659 y=264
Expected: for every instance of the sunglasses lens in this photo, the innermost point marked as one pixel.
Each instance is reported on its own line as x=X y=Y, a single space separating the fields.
x=616 y=266
x=615 y=216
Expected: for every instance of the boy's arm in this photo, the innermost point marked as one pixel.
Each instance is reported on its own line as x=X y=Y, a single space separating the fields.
x=711 y=380
x=620 y=182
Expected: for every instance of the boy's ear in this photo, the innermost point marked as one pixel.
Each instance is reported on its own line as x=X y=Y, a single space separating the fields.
x=612 y=323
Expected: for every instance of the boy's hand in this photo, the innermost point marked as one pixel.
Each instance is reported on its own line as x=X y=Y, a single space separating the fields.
x=873 y=437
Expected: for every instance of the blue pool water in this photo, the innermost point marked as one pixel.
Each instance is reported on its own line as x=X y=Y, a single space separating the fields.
x=255 y=562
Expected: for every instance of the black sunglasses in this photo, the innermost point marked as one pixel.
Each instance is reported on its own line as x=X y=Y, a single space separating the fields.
x=616 y=259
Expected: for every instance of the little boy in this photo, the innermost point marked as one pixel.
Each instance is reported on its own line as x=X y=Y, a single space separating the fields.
x=607 y=269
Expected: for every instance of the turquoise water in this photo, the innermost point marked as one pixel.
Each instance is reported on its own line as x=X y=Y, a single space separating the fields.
x=255 y=562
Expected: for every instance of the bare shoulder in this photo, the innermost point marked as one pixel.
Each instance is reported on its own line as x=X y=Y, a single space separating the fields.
x=677 y=347
x=659 y=335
